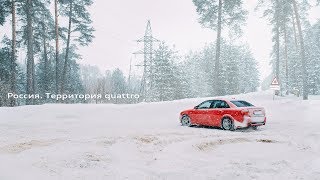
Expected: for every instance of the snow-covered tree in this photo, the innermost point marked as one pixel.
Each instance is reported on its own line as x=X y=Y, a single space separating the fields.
x=164 y=76
x=313 y=58
x=6 y=72
x=4 y=10
x=194 y=69
x=5 y=56
x=239 y=72
x=79 y=27
x=287 y=19
x=218 y=14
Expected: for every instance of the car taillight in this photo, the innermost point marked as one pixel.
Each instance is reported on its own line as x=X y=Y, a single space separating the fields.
x=245 y=112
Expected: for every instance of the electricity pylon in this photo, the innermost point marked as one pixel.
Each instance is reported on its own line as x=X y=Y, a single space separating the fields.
x=148 y=63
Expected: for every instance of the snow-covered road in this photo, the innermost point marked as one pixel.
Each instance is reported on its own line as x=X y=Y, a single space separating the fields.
x=146 y=141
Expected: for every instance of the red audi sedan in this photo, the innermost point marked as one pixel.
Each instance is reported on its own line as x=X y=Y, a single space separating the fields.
x=226 y=114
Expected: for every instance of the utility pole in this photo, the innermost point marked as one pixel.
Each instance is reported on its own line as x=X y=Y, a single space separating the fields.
x=148 y=63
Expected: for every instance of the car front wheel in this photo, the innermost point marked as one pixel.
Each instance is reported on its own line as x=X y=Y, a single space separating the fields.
x=227 y=124
x=185 y=120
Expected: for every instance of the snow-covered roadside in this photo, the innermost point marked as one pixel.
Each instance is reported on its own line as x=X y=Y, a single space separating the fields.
x=145 y=141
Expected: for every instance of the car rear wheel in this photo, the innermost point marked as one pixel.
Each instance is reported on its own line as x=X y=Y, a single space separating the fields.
x=227 y=124
x=185 y=120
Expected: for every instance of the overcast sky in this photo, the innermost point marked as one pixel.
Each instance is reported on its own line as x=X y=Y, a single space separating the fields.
x=119 y=23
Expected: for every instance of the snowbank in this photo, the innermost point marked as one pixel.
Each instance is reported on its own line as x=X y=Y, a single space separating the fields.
x=146 y=141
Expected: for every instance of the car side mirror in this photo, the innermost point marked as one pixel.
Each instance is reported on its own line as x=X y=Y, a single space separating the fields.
x=196 y=107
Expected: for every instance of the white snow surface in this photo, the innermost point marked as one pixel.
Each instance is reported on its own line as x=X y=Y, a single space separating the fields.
x=146 y=141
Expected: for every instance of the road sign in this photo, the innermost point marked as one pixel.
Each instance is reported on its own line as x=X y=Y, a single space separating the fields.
x=275 y=87
x=275 y=81
x=275 y=84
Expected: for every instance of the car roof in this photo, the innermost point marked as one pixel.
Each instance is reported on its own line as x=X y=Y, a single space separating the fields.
x=225 y=99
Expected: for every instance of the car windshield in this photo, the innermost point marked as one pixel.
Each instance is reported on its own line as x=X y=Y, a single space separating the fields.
x=241 y=103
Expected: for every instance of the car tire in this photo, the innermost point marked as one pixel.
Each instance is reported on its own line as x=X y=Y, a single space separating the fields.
x=186 y=121
x=227 y=124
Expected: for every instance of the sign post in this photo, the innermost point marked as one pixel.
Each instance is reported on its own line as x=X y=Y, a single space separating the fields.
x=275 y=86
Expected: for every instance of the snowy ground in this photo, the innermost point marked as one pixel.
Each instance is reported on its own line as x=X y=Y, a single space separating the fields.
x=146 y=141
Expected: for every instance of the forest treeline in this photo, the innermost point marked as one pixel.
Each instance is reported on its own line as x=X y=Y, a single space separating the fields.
x=47 y=34
x=296 y=52
x=178 y=77
x=47 y=44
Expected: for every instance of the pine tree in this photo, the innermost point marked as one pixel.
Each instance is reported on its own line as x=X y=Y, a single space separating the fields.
x=239 y=70
x=4 y=10
x=313 y=59
x=302 y=52
x=230 y=69
x=30 y=50
x=217 y=15
x=8 y=7
x=182 y=86
x=35 y=18
x=273 y=13
x=13 y=79
x=44 y=35
x=291 y=72
x=164 y=76
x=248 y=78
x=57 y=34
x=118 y=84
x=5 y=56
x=74 y=83
x=194 y=70
x=79 y=23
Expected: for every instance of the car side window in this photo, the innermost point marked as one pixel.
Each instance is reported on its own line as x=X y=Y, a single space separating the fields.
x=220 y=104
x=241 y=103
x=224 y=104
x=205 y=105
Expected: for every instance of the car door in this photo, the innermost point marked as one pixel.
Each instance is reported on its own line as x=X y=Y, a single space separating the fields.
x=200 y=114
x=216 y=112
